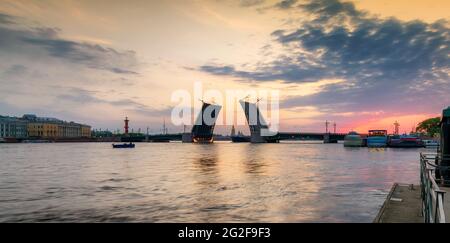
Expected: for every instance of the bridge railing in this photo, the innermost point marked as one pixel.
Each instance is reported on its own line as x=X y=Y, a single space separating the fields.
x=432 y=196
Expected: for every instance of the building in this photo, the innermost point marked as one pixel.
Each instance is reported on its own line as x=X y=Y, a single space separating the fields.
x=85 y=131
x=30 y=125
x=42 y=129
x=46 y=127
x=12 y=127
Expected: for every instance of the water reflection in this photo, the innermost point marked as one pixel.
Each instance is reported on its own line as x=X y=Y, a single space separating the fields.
x=255 y=159
x=207 y=158
x=222 y=182
x=376 y=149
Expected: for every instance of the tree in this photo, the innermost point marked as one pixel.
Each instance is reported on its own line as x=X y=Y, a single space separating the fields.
x=430 y=126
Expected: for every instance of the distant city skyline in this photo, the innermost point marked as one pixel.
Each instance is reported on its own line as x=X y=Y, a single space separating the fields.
x=363 y=64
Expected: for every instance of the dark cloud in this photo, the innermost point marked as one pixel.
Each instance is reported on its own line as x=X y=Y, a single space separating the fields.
x=6 y=19
x=286 y=4
x=122 y=71
x=285 y=71
x=38 y=42
x=251 y=3
x=384 y=62
x=327 y=9
x=82 y=96
x=15 y=69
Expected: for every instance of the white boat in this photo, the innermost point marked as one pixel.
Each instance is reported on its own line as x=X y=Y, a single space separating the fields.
x=353 y=139
x=431 y=143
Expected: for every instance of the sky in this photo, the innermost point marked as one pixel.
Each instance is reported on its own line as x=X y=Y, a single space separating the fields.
x=363 y=64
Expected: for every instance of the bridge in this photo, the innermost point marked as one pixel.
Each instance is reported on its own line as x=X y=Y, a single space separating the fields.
x=153 y=138
x=278 y=137
x=309 y=136
x=256 y=125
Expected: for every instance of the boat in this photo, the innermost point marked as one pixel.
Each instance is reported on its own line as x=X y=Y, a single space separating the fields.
x=124 y=145
x=431 y=143
x=405 y=141
x=353 y=139
x=377 y=138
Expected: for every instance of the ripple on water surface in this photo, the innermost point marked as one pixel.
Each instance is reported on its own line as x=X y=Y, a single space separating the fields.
x=175 y=182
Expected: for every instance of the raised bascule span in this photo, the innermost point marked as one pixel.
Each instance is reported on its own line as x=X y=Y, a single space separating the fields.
x=256 y=124
x=203 y=129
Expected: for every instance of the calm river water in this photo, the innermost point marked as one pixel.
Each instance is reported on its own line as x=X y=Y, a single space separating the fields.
x=175 y=182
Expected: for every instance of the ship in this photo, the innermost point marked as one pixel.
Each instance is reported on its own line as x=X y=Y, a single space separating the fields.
x=405 y=141
x=353 y=139
x=377 y=138
x=203 y=129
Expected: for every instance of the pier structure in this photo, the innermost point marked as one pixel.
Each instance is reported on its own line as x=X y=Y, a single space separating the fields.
x=424 y=203
x=402 y=205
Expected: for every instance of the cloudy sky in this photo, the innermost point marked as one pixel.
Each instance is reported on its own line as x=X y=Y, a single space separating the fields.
x=362 y=63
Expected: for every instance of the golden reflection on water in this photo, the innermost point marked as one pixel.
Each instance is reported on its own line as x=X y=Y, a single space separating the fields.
x=245 y=178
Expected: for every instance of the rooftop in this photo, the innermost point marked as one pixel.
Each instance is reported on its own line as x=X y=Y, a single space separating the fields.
x=34 y=118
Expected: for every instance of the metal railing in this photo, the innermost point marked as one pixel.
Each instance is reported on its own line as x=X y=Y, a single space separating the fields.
x=432 y=196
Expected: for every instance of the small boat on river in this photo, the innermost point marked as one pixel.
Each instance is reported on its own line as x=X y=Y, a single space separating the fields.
x=125 y=145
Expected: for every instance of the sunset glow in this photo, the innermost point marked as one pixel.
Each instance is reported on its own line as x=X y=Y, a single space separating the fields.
x=363 y=64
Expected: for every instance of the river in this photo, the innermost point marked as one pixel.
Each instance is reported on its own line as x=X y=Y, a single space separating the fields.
x=221 y=182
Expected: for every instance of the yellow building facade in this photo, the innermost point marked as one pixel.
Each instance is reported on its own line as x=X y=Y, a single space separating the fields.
x=58 y=130
x=85 y=131
x=45 y=130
